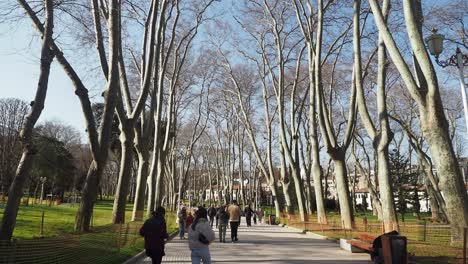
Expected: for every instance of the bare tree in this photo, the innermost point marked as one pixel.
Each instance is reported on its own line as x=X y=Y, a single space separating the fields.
x=15 y=191
x=12 y=115
x=381 y=136
x=424 y=89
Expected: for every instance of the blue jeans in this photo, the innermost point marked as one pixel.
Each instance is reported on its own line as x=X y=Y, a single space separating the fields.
x=201 y=254
x=181 y=229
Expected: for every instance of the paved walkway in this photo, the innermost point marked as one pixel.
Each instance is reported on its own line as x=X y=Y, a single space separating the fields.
x=267 y=244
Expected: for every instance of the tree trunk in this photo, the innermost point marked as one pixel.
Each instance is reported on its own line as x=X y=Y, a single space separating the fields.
x=381 y=139
x=285 y=181
x=386 y=194
x=139 y=204
x=449 y=172
x=274 y=192
x=160 y=178
x=431 y=113
x=317 y=174
x=342 y=189
x=88 y=197
x=15 y=192
x=83 y=217
x=308 y=194
x=151 y=184
x=127 y=136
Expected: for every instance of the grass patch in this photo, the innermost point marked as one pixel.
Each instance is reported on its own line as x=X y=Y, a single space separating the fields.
x=106 y=243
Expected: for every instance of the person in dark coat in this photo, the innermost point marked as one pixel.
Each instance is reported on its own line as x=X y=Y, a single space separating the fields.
x=154 y=231
x=248 y=212
x=217 y=215
x=223 y=223
x=212 y=214
x=189 y=220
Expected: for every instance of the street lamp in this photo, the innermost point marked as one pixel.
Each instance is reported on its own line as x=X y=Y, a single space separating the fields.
x=435 y=42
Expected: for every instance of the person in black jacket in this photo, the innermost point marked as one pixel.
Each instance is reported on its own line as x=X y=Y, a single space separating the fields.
x=211 y=214
x=248 y=212
x=154 y=231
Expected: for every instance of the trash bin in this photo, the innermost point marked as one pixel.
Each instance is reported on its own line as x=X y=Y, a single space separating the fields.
x=272 y=219
x=394 y=249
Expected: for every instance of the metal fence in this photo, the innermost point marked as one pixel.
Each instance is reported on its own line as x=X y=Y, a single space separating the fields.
x=105 y=244
x=45 y=237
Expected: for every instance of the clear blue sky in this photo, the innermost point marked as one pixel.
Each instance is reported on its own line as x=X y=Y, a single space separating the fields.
x=19 y=71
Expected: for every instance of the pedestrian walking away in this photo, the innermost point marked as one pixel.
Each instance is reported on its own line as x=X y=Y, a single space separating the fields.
x=200 y=236
x=217 y=216
x=223 y=222
x=154 y=231
x=248 y=212
x=182 y=219
x=234 y=219
x=212 y=214
x=260 y=215
x=189 y=220
x=255 y=217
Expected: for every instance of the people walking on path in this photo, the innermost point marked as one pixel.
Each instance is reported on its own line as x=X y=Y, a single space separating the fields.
x=212 y=214
x=234 y=219
x=223 y=222
x=260 y=215
x=182 y=219
x=189 y=220
x=154 y=231
x=200 y=237
x=217 y=215
x=255 y=217
x=248 y=212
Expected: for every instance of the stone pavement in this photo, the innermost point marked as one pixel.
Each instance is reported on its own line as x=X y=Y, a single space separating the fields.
x=267 y=244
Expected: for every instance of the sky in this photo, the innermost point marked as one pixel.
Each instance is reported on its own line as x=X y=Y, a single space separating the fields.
x=19 y=72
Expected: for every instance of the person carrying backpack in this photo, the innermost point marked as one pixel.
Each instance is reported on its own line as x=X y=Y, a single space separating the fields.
x=200 y=237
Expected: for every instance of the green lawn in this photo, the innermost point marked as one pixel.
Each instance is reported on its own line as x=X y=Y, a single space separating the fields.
x=106 y=243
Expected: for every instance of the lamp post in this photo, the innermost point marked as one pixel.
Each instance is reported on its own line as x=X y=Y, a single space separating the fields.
x=435 y=42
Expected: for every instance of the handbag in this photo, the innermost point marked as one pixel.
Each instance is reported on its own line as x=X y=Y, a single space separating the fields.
x=202 y=238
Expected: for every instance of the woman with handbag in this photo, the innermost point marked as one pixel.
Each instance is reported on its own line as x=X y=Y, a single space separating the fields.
x=200 y=236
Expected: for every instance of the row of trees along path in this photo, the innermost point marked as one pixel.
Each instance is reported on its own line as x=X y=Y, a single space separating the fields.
x=263 y=97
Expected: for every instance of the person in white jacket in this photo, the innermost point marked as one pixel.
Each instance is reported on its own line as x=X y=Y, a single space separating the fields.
x=200 y=236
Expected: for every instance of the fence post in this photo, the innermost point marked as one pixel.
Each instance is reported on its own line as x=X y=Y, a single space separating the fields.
x=344 y=229
x=119 y=237
x=425 y=230
x=464 y=244
x=365 y=223
x=42 y=224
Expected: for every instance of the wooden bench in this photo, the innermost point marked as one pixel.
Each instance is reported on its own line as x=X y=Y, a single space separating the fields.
x=363 y=242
